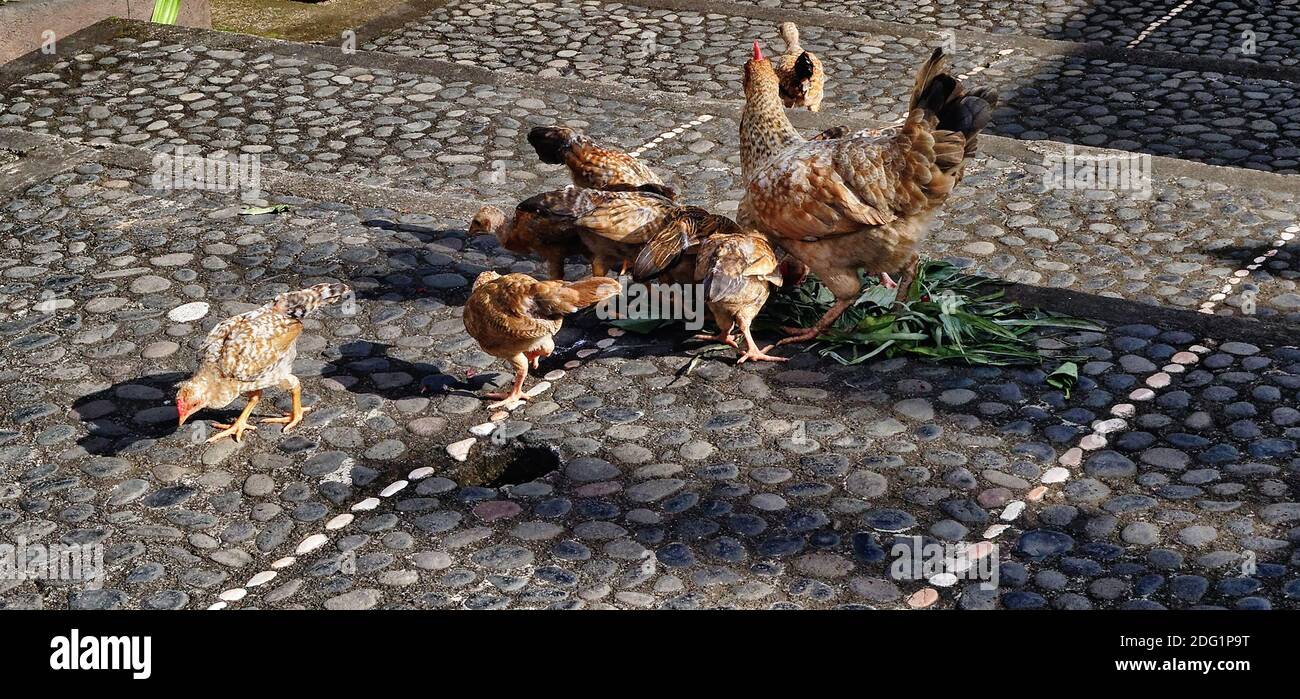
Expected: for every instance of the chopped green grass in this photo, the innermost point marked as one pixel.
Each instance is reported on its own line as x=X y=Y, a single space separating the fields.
x=949 y=315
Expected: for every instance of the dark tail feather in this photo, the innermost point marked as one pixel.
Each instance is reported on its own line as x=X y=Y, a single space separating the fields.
x=662 y=251
x=938 y=93
x=551 y=143
x=662 y=190
x=719 y=286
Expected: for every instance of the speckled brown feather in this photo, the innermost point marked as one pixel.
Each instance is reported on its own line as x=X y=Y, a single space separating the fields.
x=593 y=166
x=256 y=349
x=512 y=314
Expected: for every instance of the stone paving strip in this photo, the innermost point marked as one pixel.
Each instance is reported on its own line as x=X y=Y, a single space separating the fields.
x=1161 y=109
x=727 y=486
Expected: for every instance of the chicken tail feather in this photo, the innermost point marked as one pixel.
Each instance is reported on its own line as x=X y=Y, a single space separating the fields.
x=790 y=34
x=555 y=299
x=938 y=95
x=662 y=251
x=551 y=143
x=297 y=304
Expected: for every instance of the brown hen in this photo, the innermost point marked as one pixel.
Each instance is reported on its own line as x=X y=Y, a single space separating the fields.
x=251 y=352
x=534 y=229
x=860 y=202
x=738 y=270
x=593 y=166
x=799 y=72
x=515 y=317
x=609 y=228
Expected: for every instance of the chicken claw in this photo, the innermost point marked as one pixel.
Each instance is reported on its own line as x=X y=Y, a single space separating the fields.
x=289 y=420
x=294 y=417
x=753 y=352
x=797 y=335
x=760 y=355
x=723 y=337
x=235 y=430
x=507 y=398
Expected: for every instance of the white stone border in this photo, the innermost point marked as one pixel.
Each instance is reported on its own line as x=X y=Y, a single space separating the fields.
x=1160 y=22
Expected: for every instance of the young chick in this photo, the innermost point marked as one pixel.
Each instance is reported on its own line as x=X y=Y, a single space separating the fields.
x=738 y=270
x=515 y=318
x=592 y=166
x=799 y=72
x=251 y=352
x=533 y=229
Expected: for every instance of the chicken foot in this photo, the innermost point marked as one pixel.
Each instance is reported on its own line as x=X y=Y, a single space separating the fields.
x=906 y=279
x=236 y=429
x=753 y=352
x=295 y=417
x=520 y=362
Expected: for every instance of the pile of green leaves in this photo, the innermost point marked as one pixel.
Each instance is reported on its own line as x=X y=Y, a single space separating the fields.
x=948 y=315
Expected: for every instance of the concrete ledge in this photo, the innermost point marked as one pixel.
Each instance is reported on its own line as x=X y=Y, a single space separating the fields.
x=25 y=23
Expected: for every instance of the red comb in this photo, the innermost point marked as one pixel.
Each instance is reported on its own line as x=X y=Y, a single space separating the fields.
x=758 y=53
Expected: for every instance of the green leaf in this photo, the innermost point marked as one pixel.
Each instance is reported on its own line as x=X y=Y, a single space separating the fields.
x=165 y=11
x=975 y=326
x=1064 y=378
x=258 y=210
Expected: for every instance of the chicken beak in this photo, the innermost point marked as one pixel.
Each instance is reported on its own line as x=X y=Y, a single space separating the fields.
x=758 y=53
x=183 y=413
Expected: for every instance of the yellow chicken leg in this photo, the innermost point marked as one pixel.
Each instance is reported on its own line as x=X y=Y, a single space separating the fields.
x=237 y=428
x=520 y=363
x=753 y=352
x=296 y=416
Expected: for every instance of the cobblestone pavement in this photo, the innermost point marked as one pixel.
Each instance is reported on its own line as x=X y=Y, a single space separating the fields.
x=373 y=126
x=692 y=490
x=1193 y=114
x=1200 y=27
x=635 y=477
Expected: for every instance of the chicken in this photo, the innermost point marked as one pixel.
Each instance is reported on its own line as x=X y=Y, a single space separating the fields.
x=515 y=318
x=610 y=228
x=592 y=166
x=859 y=202
x=251 y=352
x=738 y=271
x=799 y=72
x=534 y=229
